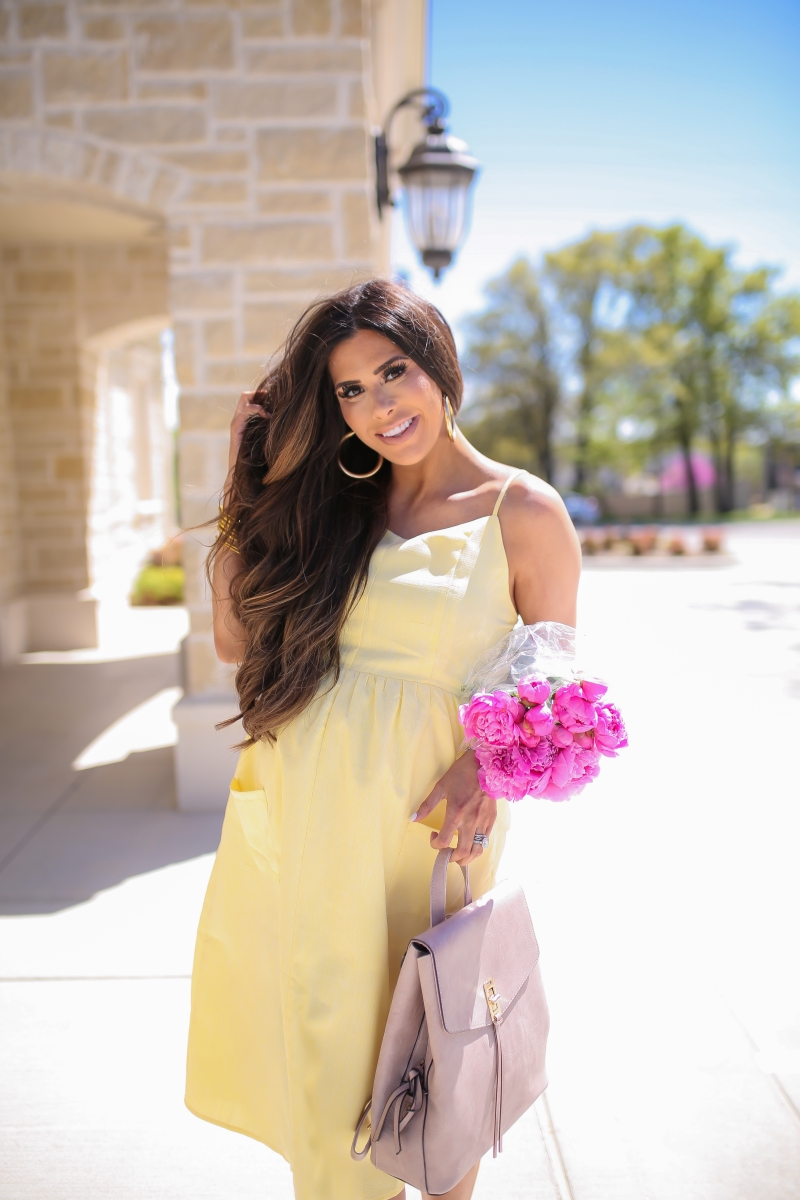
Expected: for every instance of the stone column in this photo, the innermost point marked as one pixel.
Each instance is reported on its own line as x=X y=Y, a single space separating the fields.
x=12 y=629
x=51 y=431
x=55 y=299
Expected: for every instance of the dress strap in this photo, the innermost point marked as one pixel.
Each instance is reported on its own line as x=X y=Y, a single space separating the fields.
x=504 y=489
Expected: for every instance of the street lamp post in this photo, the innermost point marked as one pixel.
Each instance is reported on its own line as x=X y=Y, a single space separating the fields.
x=436 y=178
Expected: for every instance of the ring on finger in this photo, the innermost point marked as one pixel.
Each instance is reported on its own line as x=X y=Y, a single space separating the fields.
x=482 y=840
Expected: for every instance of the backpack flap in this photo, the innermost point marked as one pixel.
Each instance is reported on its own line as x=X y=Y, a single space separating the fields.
x=484 y=952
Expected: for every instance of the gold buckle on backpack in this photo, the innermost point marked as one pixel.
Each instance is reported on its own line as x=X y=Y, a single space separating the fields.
x=490 y=992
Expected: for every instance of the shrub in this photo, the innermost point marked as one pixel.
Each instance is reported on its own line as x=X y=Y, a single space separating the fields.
x=643 y=541
x=158 y=586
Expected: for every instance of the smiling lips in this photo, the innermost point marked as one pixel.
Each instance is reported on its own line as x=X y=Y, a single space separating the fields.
x=397 y=431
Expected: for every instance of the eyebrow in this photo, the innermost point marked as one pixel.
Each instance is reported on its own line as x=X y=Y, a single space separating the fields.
x=377 y=371
x=388 y=363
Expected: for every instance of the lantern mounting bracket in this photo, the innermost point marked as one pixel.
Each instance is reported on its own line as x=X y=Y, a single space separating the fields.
x=434 y=107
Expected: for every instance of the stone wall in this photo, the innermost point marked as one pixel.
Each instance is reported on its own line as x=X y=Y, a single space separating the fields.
x=244 y=129
x=207 y=162
x=10 y=566
x=54 y=297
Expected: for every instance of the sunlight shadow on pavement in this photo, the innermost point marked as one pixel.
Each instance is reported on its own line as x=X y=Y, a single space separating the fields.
x=87 y=792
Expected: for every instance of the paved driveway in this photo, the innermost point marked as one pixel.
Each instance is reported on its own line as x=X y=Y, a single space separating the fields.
x=665 y=900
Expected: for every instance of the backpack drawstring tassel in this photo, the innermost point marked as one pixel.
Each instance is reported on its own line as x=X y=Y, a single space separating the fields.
x=498 y=1094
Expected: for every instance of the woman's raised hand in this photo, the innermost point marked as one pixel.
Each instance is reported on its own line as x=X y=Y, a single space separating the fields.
x=469 y=810
x=245 y=409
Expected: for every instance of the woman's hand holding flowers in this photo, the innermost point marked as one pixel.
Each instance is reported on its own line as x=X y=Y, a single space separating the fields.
x=469 y=810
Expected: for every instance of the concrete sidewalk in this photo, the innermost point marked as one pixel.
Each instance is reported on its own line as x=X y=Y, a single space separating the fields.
x=665 y=901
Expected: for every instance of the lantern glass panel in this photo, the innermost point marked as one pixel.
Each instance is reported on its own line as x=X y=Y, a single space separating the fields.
x=436 y=207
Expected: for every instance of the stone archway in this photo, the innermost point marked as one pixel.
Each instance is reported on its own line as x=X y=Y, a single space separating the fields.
x=232 y=144
x=84 y=255
x=131 y=500
x=108 y=175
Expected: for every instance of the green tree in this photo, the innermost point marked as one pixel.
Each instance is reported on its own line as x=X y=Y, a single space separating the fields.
x=763 y=357
x=512 y=352
x=713 y=339
x=661 y=272
x=651 y=328
x=586 y=277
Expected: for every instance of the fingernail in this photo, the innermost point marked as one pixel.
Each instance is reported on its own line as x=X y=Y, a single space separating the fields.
x=413 y=816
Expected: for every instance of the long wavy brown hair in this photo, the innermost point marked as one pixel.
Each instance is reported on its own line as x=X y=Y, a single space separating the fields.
x=306 y=531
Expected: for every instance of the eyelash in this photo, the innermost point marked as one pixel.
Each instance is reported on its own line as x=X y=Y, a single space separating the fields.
x=389 y=376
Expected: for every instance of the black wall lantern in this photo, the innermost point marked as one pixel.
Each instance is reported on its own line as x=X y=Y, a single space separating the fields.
x=437 y=180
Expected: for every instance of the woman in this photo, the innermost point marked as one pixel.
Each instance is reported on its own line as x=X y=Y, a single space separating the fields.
x=367 y=556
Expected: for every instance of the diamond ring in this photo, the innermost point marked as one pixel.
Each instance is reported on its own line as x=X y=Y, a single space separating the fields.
x=482 y=840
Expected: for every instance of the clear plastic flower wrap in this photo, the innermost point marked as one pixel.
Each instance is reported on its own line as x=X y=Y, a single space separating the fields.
x=546 y=648
x=538 y=724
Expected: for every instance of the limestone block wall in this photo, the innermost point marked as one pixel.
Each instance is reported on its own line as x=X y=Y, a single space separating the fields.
x=276 y=211
x=10 y=566
x=9 y=553
x=54 y=297
x=239 y=128
x=47 y=409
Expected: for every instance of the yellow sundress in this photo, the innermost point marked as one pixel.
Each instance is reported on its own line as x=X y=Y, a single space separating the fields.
x=321 y=880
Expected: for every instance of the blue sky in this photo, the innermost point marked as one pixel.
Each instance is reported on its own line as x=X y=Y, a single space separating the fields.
x=593 y=114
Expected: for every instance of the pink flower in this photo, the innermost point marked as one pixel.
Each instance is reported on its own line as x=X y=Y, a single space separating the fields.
x=572 y=770
x=492 y=717
x=610 y=734
x=531 y=768
x=534 y=760
x=592 y=690
x=586 y=765
x=535 y=724
x=561 y=736
x=522 y=749
x=569 y=707
x=557 y=794
x=536 y=720
x=562 y=765
x=515 y=771
x=534 y=691
x=536 y=785
x=496 y=772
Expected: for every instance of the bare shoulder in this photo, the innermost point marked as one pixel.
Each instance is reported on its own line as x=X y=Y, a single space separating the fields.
x=543 y=550
x=532 y=507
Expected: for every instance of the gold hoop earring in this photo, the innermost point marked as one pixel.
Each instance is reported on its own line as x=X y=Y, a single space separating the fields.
x=352 y=474
x=449 y=419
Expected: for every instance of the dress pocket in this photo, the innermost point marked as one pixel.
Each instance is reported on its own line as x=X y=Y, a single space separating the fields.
x=258 y=825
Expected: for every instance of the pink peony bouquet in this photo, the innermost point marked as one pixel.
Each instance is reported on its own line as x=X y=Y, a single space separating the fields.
x=539 y=728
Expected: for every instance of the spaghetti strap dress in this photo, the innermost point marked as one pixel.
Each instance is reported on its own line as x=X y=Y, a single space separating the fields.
x=321 y=879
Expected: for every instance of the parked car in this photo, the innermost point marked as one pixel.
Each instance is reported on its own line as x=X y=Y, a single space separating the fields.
x=584 y=510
